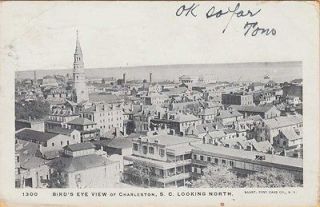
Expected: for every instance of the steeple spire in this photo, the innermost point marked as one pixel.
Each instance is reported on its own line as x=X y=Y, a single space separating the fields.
x=78 y=50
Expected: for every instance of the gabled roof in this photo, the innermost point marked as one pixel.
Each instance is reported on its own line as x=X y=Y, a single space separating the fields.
x=33 y=135
x=79 y=146
x=290 y=133
x=81 y=121
x=263 y=146
x=283 y=121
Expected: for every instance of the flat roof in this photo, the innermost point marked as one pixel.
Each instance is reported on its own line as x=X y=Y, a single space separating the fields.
x=248 y=155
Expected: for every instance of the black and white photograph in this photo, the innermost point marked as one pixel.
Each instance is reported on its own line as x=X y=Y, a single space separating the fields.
x=159 y=100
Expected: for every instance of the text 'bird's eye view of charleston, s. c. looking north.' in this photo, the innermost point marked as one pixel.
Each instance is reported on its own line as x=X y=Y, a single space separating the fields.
x=232 y=125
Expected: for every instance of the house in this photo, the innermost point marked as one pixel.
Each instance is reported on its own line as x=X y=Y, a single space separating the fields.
x=200 y=130
x=177 y=123
x=59 y=116
x=207 y=114
x=289 y=139
x=49 y=143
x=226 y=117
x=167 y=158
x=88 y=129
x=81 y=167
x=31 y=170
x=237 y=99
x=265 y=111
x=106 y=116
x=73 y=133
x=154 y=99
x=271 y=128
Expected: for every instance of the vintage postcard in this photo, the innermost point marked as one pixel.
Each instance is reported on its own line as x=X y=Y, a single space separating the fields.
x=159 y=103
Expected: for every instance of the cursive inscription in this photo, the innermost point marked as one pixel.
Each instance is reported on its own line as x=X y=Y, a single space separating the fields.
x=250 y=28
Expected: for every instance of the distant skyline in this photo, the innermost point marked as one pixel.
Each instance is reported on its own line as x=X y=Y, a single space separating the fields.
x=252 y=71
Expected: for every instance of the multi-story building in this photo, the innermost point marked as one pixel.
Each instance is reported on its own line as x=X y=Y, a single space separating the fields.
x=106 y=116
x=82 y=167
x=58 y=118
x=237 y=99
x=266 y=111
x=166 y=158
x=177 y=123
x=244 y=162
x=271 y=128
x=88 y=129
x=49 y=143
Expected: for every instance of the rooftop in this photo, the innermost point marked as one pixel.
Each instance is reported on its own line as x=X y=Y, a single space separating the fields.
x=81 y=121
x=33 y=135
x=104 y=97
x=116 y=143
x=79 y=146
x=283 y=121
x=73 y=164
x=228 y=114
x=258 y=109
x=60 y=130
x=167 y=140
x=249 y=155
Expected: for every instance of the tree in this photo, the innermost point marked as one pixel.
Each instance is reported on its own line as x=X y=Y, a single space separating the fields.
x=215 y=176
x=57 y=180
x=271 y=179
x=34 y=110
x=138 y=173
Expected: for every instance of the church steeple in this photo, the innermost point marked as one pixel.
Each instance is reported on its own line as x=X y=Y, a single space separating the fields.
x=78 y=57
x=79 y=79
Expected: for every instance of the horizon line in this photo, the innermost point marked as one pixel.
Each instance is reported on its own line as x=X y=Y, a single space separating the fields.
x=289 y=62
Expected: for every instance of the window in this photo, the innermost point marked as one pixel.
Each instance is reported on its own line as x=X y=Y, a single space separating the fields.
x=68 y=142
x=209 y=159
x=194 y=157
x=52 y=144
x=216 y=160
x=151 y=150
x=201 y=157
x=231 y=163
x=161 y=152
x=135 y=147
x=223 y=161
x=61 y=143
x=144 y=149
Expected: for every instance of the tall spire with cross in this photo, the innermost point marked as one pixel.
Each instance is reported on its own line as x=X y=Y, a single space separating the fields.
x=79 y=79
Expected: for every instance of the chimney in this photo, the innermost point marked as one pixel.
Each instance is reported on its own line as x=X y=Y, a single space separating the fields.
x=150 y=77
x=124 y=78
x=34 y=77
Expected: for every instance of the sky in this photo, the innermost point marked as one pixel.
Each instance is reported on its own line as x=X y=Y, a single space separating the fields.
x=41 y=35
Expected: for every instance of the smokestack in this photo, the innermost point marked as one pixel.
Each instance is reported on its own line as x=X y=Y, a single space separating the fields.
x=34 y=77
x=124 y=77
x=150 y=77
